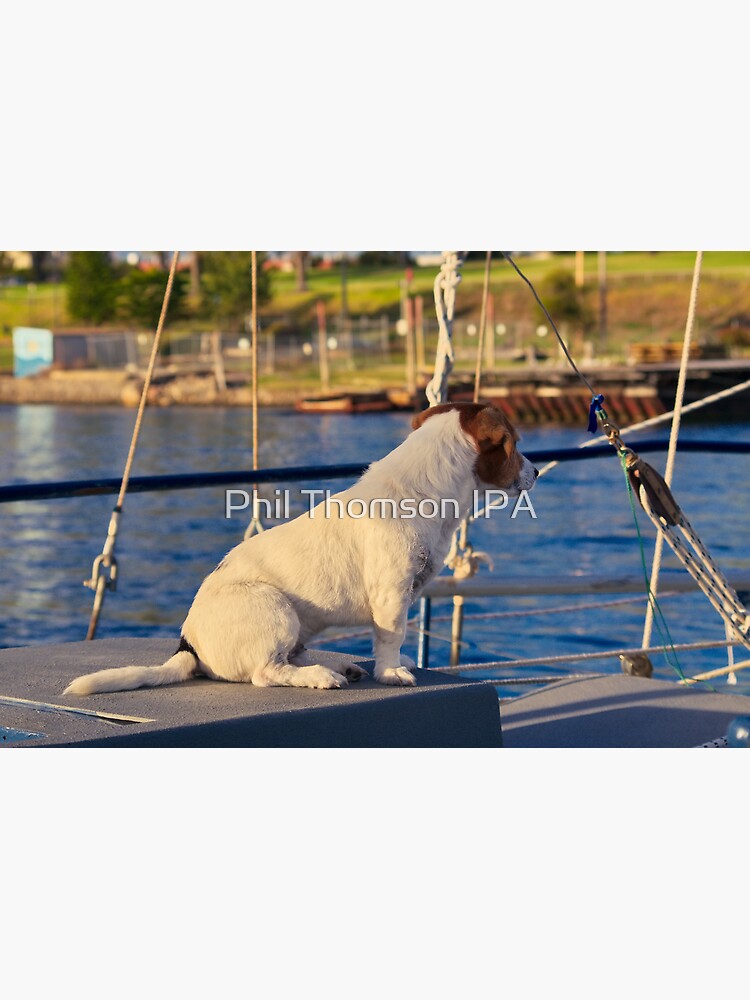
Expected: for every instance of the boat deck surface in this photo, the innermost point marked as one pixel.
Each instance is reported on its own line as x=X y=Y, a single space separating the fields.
x=620 y=711
x=442 y=711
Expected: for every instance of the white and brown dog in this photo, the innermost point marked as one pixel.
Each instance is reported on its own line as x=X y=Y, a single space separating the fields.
x=274 y=592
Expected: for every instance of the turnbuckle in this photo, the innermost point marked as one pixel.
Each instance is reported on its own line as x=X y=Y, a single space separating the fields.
x=107 y=559
x=101 y=563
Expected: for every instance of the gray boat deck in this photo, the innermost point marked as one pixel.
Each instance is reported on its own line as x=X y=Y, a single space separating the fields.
x=442 y=711
x=620 y=711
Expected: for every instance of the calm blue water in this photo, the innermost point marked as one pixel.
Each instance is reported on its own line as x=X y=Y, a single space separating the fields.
x=168 y=542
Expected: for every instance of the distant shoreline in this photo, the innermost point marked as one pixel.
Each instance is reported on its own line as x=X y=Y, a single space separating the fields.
x=113 y=389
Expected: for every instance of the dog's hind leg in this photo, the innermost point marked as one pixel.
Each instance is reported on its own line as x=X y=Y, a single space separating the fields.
x=247 y=633
x=315 y=675
x=340 y=663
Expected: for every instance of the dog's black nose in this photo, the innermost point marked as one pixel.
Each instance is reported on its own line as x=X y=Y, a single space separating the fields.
x=536 y=473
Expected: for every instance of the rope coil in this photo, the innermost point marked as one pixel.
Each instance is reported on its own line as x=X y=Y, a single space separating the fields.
x=444 y=290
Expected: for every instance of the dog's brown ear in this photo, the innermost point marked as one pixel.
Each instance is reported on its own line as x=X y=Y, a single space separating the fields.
x=490 y=429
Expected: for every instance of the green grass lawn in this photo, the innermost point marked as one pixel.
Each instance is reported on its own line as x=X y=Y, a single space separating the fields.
x=371 y=292
x=647 y=294
x=32 y=305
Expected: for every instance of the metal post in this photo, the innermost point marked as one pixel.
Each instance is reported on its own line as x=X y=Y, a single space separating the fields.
x=385 y=337
x=423 y=646
x=489 y=362
x=419 y=332
x=345 y=324
x=580 y=273
x=602 y=299
x=270 y=352
x=344 y=297
x=411 y=376
x=323 y=347
x=457 y=625
x=218 y=361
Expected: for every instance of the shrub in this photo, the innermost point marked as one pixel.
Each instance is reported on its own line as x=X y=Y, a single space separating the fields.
x=226 y=286
x=141 y=295
x=564 y=300
x=92 y=281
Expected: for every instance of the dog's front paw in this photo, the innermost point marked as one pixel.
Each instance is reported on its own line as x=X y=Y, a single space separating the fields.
x=398 y=676
x=406 y=661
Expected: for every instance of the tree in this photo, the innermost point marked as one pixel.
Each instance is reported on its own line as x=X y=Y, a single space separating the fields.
x=299 y=259
x=141 y=296
x=565 y=301
x=227 y=286
x=39 y=264
x=92 y=286
x=195 y=275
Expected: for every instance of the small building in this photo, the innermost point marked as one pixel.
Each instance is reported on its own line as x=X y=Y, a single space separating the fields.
x=37 y=350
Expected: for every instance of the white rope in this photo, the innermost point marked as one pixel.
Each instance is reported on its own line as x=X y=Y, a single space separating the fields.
x=444 y=289
x=539 y=661
x=672 y=449
x=729 y=632
x=461 y=558
x=721 y=672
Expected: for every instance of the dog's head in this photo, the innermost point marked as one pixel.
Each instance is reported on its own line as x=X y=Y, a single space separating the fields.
x=499 y=463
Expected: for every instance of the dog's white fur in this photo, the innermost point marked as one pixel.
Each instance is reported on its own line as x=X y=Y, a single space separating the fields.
x=275 y=591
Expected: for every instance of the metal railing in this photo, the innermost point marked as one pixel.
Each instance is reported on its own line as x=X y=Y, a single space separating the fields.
x=195 y=480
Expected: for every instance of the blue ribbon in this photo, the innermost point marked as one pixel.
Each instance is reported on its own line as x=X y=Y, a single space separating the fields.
x=596 y=405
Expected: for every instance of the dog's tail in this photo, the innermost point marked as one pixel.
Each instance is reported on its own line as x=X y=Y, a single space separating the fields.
x=180 y=667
